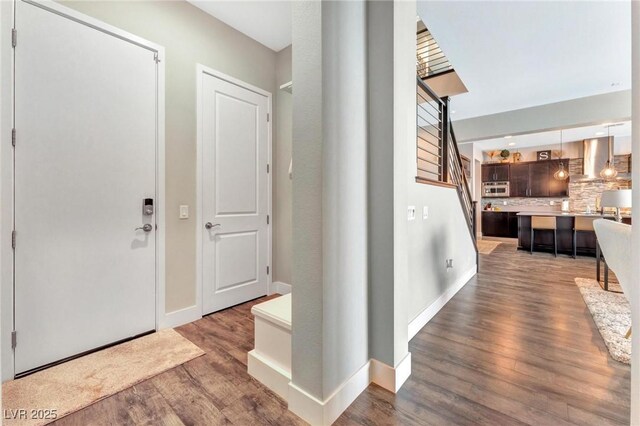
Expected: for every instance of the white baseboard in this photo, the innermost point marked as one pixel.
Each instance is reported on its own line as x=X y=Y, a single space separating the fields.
x=321 y=413
x=280 y=287
x=430 y=311
x=269 y=374
x=388 y=377
x=180 y=317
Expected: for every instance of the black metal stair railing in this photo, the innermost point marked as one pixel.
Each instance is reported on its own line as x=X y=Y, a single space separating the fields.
x=430 y=59
x=438 y=157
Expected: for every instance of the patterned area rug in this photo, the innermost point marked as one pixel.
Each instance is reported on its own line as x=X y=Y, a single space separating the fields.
x=486 y=246
x=612 y=315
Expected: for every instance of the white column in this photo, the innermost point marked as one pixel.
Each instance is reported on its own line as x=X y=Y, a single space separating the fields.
x=392 y=133
x=635 y=149
x=330 y=361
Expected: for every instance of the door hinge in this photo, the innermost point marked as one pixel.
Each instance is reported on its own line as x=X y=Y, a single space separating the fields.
x=156 y=58
x=14 y=339
x=13 y=239
x=267 y=168
x=14 y=37
x=267 y=117
x=13 y=137
x=267 y=219
x=267 y=270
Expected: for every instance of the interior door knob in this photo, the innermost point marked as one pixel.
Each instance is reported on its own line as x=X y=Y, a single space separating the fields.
x=210 y=225
x=147 y=227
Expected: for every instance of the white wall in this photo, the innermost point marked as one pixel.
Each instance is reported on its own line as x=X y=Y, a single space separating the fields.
x=281 y=182
x=615 y=106
x=190 y=36
x=444 y=235
x=392 y=134
x=329 y=336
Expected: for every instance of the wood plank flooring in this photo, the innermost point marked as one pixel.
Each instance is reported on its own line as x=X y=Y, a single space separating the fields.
x=515 y=346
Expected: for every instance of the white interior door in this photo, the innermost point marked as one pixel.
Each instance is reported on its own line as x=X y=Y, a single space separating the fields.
x=85 y=158
x=235 y=239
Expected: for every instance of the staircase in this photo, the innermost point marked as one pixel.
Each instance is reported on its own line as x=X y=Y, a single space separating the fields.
x=439 y=160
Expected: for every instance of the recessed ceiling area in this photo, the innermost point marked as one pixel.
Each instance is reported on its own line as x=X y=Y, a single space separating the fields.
x=621 y=133
x=518 y=54
x=268 y=22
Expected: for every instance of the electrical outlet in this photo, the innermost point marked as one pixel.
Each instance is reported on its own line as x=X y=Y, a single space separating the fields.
x=411 y=213
x=504 y=203
x=425 y=212
x=552 y=203
x=449 y=263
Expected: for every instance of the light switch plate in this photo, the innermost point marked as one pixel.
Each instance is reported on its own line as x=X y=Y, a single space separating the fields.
x=411 y=213
x=425 y=212
x=184 y=212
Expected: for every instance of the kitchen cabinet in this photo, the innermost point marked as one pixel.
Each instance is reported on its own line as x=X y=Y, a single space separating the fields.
x=558 y=188
x=519 y=181
x=535 y=179
x=495 y=172
x=539 y=179
x=500 y=224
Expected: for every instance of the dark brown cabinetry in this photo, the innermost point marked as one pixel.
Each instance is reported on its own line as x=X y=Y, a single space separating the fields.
x=500 y=224
x=557 y=188
x=535 y=179
x=519 y=182
x=495 y=172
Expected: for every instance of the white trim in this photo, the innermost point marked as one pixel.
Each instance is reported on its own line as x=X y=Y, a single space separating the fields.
x=202 y=69
x=6 y=171
x=161 y=195
x=388 y=377
x=430 y=311
x=180 y=317
x=278 y=287
x=6 y=188
x=94 y=23
x=325 y=412
x=269 y=374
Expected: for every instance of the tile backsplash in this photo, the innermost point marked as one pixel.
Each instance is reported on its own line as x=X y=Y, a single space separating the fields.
x=581 y=194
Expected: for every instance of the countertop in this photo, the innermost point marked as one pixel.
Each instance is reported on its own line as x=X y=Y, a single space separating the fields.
x=568 y=214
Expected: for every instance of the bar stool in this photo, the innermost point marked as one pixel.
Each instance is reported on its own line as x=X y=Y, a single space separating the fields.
x=581 y=224
x=545 y=223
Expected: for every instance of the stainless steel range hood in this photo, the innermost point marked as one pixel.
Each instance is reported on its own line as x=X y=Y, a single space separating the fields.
x=596 y=152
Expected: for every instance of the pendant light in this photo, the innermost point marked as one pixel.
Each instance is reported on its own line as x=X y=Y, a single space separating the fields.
x=609 y=171
x=562 y=173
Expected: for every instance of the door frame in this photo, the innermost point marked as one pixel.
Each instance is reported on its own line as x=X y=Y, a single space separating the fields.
x=7 y=74
x=200 y=70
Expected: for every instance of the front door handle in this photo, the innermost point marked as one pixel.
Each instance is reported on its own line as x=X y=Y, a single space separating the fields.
x=147 y=227
x=210 y=225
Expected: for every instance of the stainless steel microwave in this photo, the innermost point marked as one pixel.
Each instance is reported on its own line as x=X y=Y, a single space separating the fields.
x=495 y=189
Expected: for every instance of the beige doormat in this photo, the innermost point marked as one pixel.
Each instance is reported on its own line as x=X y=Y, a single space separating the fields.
x=487 y=246
x=612 y=315
x=75 y=384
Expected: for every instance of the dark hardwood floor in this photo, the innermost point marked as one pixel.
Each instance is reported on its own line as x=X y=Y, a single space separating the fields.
x=516 y=345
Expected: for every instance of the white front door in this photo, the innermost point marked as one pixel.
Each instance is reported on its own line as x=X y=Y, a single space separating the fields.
x=85 y=159
x=234 y=138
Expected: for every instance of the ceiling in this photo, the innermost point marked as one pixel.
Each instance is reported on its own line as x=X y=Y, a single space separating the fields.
x=621 y=133
x=268 y=22
x=518 y=54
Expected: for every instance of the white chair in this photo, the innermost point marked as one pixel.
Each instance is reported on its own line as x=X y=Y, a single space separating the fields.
x=615 y=242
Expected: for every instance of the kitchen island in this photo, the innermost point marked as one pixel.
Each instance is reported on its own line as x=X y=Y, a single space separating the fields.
x=585 y=241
